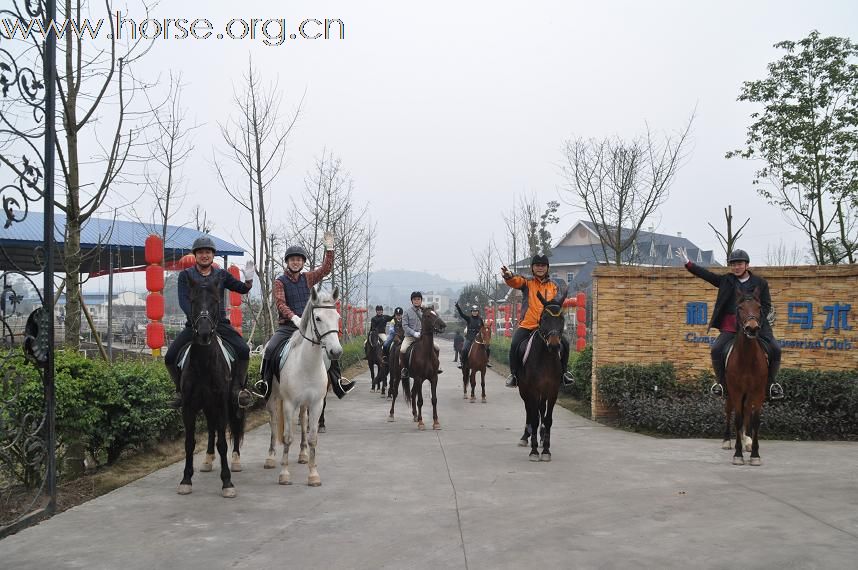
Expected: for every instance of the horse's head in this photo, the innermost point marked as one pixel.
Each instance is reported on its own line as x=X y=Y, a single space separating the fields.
x=551 y=321
x=749 y=312
x=486 y=331
x=324 y=320
x=431 y=320
x=205 y=312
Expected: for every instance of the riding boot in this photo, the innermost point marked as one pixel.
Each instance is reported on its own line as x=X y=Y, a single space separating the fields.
x=776 y=391
x=719 y=388
x=263 y=386
x=488 y=356
x=176 y=375
x=512 y=382
x=339 y=385
x=439 y=371
x=239 y=384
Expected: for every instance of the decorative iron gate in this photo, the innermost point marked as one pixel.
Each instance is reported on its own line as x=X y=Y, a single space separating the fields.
x=27 y=135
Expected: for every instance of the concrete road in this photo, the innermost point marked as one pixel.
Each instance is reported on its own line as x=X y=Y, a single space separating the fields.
x=467 y=497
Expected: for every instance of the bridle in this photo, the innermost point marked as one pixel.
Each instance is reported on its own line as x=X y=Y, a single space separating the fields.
x=204 y=314
x=747 y=320
x=553 y=313
x=319 y=336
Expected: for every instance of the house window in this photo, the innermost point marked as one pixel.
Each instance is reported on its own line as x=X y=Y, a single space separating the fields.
x=570 y=277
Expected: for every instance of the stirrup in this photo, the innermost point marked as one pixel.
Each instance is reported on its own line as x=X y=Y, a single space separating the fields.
x=776 y=391
x=244 y=398
x=716 y=389
x=512 y=382
x=260 y=389
x=567 y=379
x=176 y=402
x=341 y=386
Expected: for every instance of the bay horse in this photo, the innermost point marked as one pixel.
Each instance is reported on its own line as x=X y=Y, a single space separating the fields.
x=476 y=361
x=396 y=378
x=746 y=378
x=303 y=382
x=539 y=382
x=206 y=386
x=424 y=366
x=375 y=362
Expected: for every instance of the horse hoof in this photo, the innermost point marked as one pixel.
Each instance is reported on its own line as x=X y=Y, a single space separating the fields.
x=390 y=418
x=726 y=444
x=205 y=467
x=522 y=443
x=235 y=467
x=184 y=490
x=756 y=461
x=738 y=461
x=314 y=481
x=284 y=480
x=270 y=464
x=421 y=426
x=534 y=456
x=473 y=400
x=322 y=429
x=230 y=493
x=303 y=459
x=484 y=400
x=545 y=456
x=465 y=397
x=436 y=426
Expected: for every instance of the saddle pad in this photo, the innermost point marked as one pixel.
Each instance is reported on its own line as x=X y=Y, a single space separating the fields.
x=730 y=351
x=283 y=353
x=185 y=352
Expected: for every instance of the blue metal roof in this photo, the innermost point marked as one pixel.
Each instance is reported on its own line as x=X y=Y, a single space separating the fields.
x=126 y=239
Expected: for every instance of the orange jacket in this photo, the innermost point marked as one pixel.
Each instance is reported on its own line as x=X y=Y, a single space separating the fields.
x=531 y=309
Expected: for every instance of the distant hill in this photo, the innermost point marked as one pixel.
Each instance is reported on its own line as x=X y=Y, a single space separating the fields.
x=392 y=287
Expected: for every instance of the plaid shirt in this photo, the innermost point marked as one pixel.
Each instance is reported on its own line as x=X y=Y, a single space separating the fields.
x=313 y=277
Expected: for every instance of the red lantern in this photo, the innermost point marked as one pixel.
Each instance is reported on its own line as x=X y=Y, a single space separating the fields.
x=154 y=307
x=187 y=261
x=154 y=278
x=155 y=335
x=582 y=330
x=154 y=249
x=581 y=315
x=580 y=345
x=581 y=299
x=235 y=318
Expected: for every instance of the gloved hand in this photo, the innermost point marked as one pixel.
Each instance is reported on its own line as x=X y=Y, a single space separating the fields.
x=683 y=253
x=505 y=272
x=329 y=241
x=249 y=270
x=296 y=320
x=417 y=334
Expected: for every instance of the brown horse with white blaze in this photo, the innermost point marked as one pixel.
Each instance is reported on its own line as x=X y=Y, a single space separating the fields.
x=746 y=375
x=476 y=361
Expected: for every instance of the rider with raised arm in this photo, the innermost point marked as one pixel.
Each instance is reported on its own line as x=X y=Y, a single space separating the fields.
x=204 y=274
x=412 y=324
x=724 y=315
x=531 y=310
x=291 y=295
x=475 y=323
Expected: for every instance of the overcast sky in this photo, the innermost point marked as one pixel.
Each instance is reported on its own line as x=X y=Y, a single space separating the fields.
x=443 y=111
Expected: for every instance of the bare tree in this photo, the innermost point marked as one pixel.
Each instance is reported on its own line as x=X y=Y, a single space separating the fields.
x=201 y=220
x=781 y=254
x=728 y=241
x=621 y=183
x=168 y=151
x=256 y=143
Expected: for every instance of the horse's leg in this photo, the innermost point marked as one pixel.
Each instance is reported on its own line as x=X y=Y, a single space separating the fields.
x=302 y=419
x=755 y=436
x=533 y=426
x=547 y=420
x=483 y=382
x=739 y=412
x=210 y=449
x=464 y=380
x=371 y=364
x=394 y=391
x=313 y=479
x=433 y=383
x=727 y=441
x=417 y=402
x=322 y=428
x=275 y=411
x=288 y=421
x=189 y=419
x=228 y=489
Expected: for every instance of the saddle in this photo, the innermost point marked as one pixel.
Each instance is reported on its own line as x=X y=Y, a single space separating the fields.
x=280 y=355
x=185 y=353
x=524 y=347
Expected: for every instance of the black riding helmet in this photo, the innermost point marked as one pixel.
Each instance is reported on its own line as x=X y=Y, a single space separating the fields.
x=397 y=311
x=203 y=242
x=475 y=309
x=295 y=250
x=416 y=295
x=738 y=255
x=539 y=258
x=379 y=308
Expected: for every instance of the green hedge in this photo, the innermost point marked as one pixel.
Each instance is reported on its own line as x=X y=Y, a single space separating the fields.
x=581 y=366
x=818 y=405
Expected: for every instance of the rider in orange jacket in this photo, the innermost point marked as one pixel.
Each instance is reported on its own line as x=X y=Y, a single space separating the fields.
x=531 y=310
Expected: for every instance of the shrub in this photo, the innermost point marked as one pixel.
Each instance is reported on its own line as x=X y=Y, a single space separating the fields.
x=581 y=366
x=621 y=381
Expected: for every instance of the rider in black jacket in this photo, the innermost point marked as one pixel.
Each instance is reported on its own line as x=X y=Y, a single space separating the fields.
x=475 y=323
x=724 y=315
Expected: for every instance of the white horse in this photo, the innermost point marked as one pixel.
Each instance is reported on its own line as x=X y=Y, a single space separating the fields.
x=304 y=382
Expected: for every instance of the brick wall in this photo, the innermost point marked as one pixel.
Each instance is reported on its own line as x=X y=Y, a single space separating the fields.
x=648 y=314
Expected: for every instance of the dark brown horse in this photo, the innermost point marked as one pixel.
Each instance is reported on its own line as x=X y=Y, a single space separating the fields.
x=396 y=378
x=478 y=358
x=424 y=365
x=747 y=374
x=540 y=378
x=375 y=362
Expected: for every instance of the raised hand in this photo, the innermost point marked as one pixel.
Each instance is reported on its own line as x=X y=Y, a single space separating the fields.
x=329 y=240
x=505 y=272
x=683 y=253
x=249 y=270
